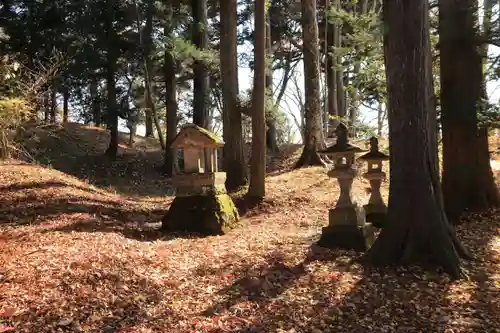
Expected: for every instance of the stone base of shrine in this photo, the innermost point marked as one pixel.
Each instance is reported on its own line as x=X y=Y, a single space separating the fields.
x=347 y=229
x=376 y=214
x=205 y=214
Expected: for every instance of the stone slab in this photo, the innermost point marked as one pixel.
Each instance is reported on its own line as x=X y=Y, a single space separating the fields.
x=346 y=215
x=376 y=214
x=348 y=237
x=205 y=214
x=200 y=184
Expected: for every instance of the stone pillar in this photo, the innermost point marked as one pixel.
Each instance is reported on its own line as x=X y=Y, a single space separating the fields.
x=347 y=227
x=376 y=210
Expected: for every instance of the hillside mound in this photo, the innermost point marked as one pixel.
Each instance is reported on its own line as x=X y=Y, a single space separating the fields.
x=78 y=150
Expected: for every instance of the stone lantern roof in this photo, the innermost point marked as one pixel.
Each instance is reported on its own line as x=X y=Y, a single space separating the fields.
x=193 y=136
x=374 y=154
x=342 y=145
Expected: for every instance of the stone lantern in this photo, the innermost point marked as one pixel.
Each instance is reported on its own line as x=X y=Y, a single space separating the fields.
x=201 y=203
x=346 y=222
x=376 y=210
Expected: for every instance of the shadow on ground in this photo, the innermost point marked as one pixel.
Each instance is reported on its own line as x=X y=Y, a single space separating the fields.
x=380 y=300
x=121 y=303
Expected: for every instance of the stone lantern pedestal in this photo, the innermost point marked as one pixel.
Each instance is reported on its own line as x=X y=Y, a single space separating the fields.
x=376 y=210
x=201 y=203
x=346 y=222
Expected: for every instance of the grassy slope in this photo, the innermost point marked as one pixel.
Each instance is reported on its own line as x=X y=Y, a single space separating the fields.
x=79 y=257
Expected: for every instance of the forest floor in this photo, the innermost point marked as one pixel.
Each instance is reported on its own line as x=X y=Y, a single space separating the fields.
x=80 y=255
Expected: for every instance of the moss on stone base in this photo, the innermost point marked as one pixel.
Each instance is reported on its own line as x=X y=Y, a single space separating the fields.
x=206 y=214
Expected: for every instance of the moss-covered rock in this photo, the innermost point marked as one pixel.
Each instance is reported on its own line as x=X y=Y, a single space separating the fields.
x=206 y=214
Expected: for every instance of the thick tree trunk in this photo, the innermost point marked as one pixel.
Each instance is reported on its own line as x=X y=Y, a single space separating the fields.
x=171 y=94
x=461 y=92
x=46 y=106
x=417 y=230
x=111 y=60
x=257 y=187
x=53 y=104
x=149 y=129
x=65 y=103
x=331 y=82
x=313 y=128
x=485 y=173
x=94 y=100
x=148 y=46
x=271 y=135
x=339 y=72
x=201 y=80
x=146 y=40
x=234 y=161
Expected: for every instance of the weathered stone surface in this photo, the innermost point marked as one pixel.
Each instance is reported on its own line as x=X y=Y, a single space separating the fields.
x=347 y=226
x=200 y=184
x=376 y=210
x=205 y=214
x=346 y=215
x=194 y=136
x=376 y=214
x=350 y=237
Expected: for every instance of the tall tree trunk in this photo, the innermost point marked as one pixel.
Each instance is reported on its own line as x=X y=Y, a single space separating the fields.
x=171 y=92
x=271 y=135
x=148 y=46
x=414 y=233
x=354 y=93
x=331 y=81
x=257 y=187
x=201 y=80
x=148 y=113
x=147 y=42
x=53 y=104
x=461 y=93
x=313 y=112
x=111 y=63
x=94 y=101
x=234 y=161
x=339 y=72
x=46 y=106
x=65 y=103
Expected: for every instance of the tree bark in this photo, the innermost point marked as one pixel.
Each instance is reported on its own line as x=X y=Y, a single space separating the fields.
x=65 y=103
x=201 y=84
x=464 y=176
x=171 y=93
x=148 y=47
x=339 y=72
x=94 y=100
x=257 y=187
x=234 y=161
x=271 y=135
x=111 y=63
x=53 y=103
x=313 y=128
x=147 y=44
x=331 y=81
x=417 y=230
x=46 y=106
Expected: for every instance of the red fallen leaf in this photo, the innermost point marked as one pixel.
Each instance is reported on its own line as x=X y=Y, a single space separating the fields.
x=7 y=312
x=5 y=328
x=334 y=275
x=215 y=318
x=227 y=276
